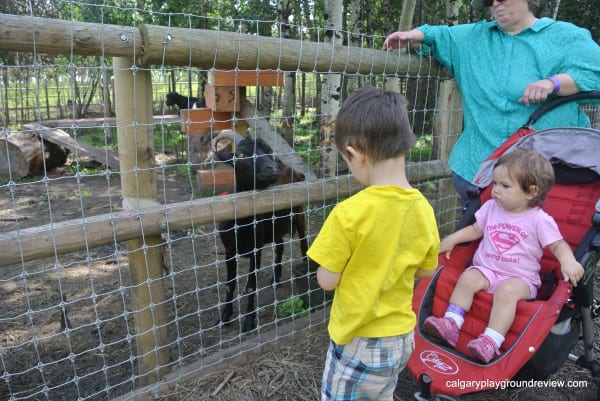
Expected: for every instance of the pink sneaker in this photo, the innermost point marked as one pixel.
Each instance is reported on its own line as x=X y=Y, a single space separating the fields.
x=483 y=348
x=443 y=329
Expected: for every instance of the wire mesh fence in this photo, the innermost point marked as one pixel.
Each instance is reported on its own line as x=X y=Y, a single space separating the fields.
x=69 y=318
x=79 y=247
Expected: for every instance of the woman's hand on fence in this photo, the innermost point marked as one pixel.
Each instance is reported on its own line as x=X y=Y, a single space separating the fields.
x=402 y=39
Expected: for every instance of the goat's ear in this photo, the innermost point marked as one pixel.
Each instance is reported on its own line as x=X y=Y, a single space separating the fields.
x=248 y=135
x=224 y=156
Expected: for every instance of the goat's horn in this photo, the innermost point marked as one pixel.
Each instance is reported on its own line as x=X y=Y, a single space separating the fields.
x=248 y=134
x=229 y=134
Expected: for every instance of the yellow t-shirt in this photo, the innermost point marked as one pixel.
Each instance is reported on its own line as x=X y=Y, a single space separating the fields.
x=376 y=239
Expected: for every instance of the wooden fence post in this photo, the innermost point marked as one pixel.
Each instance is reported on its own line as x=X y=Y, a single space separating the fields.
x=448 y=125
x=133 y=106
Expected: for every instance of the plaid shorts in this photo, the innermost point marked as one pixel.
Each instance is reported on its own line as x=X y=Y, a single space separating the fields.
x=365 y=368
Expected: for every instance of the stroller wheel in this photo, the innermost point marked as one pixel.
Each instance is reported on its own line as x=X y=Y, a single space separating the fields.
x=439 y=397
x=425 y=393
x=595 y=308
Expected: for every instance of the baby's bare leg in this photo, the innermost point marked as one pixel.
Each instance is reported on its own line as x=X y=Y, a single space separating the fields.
x=504 y=308
x=467 y=285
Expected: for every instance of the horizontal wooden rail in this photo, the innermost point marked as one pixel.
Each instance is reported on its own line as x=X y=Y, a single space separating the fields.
x=55 y=36
x=219 y=49
x=75 y=235
x=202 y=48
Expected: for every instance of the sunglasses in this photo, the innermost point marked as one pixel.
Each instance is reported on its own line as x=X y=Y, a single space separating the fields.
x=489 y=3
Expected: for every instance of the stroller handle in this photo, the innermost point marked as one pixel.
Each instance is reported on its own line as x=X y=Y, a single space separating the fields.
x=559 y=101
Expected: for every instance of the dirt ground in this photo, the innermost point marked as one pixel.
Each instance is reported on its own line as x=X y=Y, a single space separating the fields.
x=94 y=358
x=66 y=325
x=293 y=372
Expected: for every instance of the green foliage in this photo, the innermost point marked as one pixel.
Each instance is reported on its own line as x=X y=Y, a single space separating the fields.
x=422 y=149
x=205 y=193
x=169 y=140
x=185 y=171
x=306 y=141
x=293 y=307
x=76 y=169
x=583 y=13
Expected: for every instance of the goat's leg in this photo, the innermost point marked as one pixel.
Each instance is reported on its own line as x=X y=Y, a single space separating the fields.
x=231 y=282
x=299 y=226
x=249 y=322
x=278 y=259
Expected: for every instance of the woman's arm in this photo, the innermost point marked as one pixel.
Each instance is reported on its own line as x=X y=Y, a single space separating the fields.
x=401 y=39
x=538 y=91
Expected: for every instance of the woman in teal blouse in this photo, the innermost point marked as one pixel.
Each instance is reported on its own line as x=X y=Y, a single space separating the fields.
x=503 y=68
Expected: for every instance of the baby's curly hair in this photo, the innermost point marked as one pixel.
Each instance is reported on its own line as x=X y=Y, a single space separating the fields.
x=527 y=168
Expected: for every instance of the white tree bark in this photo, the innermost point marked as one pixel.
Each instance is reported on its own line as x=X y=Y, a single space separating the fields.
x=406 y=21
x=289 y=83
x=331 y=89
x=356 y=31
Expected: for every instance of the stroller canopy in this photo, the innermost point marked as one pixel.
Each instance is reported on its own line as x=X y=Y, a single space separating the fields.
x=576 y=163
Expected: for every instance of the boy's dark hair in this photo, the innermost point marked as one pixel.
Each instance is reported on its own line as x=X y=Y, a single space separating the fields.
x=527 y=168
x=375 y=122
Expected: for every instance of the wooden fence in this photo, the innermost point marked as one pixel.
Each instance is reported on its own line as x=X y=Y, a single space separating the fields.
x=145 y=219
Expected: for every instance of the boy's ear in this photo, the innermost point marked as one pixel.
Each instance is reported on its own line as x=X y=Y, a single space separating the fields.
x=355 y=153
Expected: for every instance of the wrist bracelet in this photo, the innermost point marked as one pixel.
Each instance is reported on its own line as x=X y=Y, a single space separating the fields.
x=556 y=83
x=456 y=309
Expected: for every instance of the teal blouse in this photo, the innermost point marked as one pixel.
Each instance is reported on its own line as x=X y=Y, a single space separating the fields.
x=492 y=70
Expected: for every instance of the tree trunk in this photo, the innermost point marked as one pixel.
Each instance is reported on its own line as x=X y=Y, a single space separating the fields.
x=5 y=116
x=289 y=80
x=106 y=99
x=406 y=21
x=420 y=92
x=548 y=8
x=289 y=107
x=22 y=150
x=331 y=88
x=356 y=27
x=452 y=9
x=303 y=94
x=25 y=155
x=556 y=8
x=264 y=102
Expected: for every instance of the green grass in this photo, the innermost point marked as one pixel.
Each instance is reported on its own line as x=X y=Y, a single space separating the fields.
x=422 y=149
x=293 y=307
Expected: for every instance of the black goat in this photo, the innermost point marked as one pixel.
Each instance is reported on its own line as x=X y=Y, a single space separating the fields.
x=255 y=169
x=184 y=102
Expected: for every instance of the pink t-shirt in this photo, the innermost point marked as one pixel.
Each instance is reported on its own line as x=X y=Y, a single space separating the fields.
x=513 y=243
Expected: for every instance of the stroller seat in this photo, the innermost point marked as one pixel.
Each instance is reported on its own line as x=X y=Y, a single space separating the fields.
x=573 y=209
x=535 y=345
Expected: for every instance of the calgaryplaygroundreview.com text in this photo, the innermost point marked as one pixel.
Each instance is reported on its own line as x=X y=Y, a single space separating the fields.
x=506 y=384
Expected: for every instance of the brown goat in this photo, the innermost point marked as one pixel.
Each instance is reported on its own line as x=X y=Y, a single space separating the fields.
x=255 y=169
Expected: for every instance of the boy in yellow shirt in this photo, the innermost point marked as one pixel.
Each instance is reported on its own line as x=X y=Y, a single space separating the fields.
x=371 y=248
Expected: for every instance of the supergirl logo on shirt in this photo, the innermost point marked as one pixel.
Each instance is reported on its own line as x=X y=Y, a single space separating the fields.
x=504 y=241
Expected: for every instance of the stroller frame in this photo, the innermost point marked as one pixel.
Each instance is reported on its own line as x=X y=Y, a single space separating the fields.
x=577 y=305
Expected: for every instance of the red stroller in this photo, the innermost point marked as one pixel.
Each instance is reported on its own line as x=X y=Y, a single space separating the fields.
x=546 y=329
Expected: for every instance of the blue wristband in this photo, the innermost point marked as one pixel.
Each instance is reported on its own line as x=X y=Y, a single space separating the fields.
x=556 y=83
x=456 y=309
